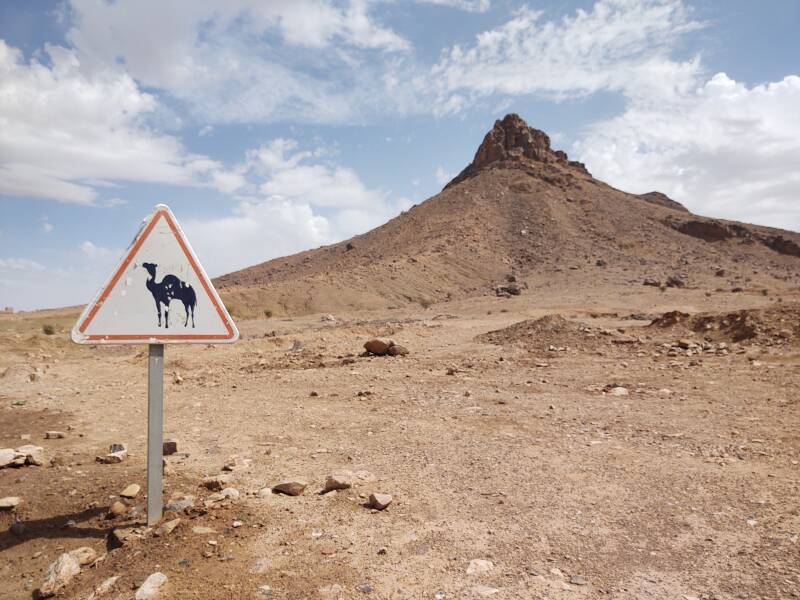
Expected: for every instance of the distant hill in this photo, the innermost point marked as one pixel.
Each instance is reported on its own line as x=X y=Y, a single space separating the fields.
x=519 y=208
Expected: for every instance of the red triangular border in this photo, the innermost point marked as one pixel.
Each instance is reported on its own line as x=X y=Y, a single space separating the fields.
x=98 y=302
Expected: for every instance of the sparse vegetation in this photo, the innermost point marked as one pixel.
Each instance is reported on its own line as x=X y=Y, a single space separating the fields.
x=268 y=313
x=48 y=329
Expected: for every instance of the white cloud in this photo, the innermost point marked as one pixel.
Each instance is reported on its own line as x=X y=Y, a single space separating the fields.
x=619 y=45
x=442 y=176
x=19 y=264
x=63 y=133
x=724 y=149
x=98 y=253
x=468 y=5
x=47 y=226
x=245 y=60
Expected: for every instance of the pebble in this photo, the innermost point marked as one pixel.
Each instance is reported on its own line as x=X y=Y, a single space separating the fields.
x=338 y=480
x=131 y=491
x=9 y=502
x=380 y=501
x=105 y=587
x=112 y=458
x=151 y=588
x=237 y=524
x=618 y=391
x=84 y=555
x=231 y=493
x=54 y=435
x=290 y=488
x=478 y=566
x=180 y=504
x=578 y=580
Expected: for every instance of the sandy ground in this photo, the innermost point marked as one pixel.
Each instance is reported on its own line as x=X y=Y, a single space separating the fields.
x=517 y=454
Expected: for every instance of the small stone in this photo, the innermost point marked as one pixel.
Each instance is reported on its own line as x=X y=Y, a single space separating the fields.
x=180 y=504
x=397 y=351
x=112 y=458
x=34 y=455
x=264 y=591
x=202 y=530
x=578 y=580
x=618 y=391
x=365 y=588
x=59 y=574
x=152 y=586
x=377 y=347
x=331 y=591
x=380 y=501
x=290 y=488
x=231 y=493
x=9 y=502
x=236 y=524
x=167 y=527
x=484 y=591
x=84 y=555
x=105 y=587
x=478 y=566
x=338 y=480
x=7 y=456
x=261 y=566
x=131 y=491
x=120 y=536
x=118 y=447
x=169 y=447
x=54 y=435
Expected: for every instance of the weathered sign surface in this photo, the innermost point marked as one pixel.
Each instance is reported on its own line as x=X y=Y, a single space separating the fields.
x=159 y=294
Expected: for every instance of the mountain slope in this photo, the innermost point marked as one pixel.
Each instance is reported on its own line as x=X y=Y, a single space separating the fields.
x=519 y=208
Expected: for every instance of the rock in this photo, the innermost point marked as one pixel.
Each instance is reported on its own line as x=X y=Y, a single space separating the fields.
x=338 y=480
x=7 y=456
x=331 y=591
x=118 y=447
x=117 y=509
x=169 y=447
x=54 y=435
x=651 y=282
x=377 y=347
x=484 y=591
x=166 y=468
x=380 y=501
x=329 y=318
x=112 y=458
x=290 y=488
x=675 y=281
x=176 y=378
x=215 y=483
x=120 y=536
x=84 y=555
x=131 y=491
x=105 y=587
x=231 y=493
x=261 y=566
x=264 y=591
x=180 y=504
x=9 y=502
x=167 y=527
x=202 y=530
x=618 y=391
x=152 y=587
x=398 y=351
x=578 y=580
x=34 y=455
x=59 y=574
x=478 y=566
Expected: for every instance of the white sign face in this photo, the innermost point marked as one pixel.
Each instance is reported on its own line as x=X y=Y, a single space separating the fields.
x=159 y=294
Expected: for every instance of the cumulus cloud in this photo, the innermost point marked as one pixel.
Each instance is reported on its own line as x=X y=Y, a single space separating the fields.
x=468 y=5
x=618 y=45
x=442 y=176
x=245 y=60
x=63 y=133
x=724 y=149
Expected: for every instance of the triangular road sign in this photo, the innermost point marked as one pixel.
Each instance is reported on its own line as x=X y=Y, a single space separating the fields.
x=159 y=294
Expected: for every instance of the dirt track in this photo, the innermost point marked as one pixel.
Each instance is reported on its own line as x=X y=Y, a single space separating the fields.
x=523 y=456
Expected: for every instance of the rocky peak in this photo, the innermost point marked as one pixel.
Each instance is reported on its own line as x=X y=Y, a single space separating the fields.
x=511 y=143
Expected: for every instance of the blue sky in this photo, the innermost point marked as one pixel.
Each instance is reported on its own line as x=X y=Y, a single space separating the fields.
x=274 y=127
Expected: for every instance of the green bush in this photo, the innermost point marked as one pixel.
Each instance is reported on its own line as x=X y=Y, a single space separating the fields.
x=48 y=329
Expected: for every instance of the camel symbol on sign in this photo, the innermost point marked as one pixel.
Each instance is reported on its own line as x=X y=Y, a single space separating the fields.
x=168 y=289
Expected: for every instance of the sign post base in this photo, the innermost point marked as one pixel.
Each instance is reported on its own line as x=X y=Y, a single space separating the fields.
x=155 y=432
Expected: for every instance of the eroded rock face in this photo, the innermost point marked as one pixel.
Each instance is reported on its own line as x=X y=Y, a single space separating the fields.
x=512 y=141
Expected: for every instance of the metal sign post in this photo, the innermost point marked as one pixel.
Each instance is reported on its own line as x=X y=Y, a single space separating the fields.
x=158 y=294
x=155 y=432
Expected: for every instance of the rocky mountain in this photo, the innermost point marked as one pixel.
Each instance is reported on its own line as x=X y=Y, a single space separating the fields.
x=519 y=211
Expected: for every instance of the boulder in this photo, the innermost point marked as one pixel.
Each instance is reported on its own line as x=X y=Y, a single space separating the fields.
x=59 y=574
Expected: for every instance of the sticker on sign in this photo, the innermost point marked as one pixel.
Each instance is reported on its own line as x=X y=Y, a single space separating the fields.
x=159 y=294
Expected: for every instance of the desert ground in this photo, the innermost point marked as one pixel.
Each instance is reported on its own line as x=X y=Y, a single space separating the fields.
x=605 y=451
